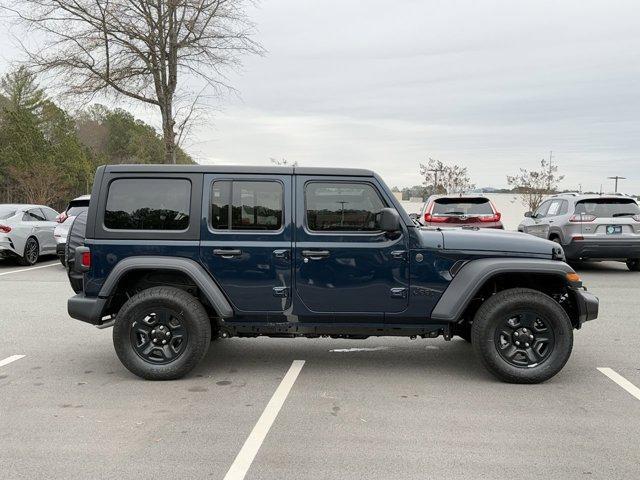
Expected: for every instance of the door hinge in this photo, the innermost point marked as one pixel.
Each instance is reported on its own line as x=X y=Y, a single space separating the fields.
x=280 y=292
x=399 y=292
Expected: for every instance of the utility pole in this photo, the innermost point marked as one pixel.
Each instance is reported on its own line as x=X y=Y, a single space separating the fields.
x=616 y=178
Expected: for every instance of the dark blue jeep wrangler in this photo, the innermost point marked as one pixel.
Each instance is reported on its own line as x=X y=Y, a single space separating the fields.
x=176 y=256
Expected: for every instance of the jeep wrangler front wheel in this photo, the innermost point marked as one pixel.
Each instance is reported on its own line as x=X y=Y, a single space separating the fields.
x=161 y=333
x=522 y=336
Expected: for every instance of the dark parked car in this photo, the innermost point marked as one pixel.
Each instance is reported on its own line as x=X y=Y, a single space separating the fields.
x=589 y=227
x=459 y=211
x=176 y=256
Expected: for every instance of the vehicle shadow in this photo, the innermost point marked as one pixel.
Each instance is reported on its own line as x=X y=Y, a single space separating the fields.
x=372 y=357
x=601 y=267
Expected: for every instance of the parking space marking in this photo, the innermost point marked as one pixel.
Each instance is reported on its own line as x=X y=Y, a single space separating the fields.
x=10 y=359
x=245 y=457
x=620 y=380
x=27 y=269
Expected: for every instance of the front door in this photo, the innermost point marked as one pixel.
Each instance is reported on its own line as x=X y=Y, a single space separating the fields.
x=246 y=241
x=346 y=269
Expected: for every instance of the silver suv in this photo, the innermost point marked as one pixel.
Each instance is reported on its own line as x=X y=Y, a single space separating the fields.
x=589 y=227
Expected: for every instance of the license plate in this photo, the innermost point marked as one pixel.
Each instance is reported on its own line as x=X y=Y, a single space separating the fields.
x=614 y=229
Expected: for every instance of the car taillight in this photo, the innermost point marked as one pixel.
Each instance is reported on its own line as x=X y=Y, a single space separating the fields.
x=582 y=217
x=62 y=217
x=434 y=219
x=5 y=228
x=491 y=218
x=86 y=259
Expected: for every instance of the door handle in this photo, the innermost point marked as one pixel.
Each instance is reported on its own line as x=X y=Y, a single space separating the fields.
x=283 y=253
x=315 y=254
x=227 y=253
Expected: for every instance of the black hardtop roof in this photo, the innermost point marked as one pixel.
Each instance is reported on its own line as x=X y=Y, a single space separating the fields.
x=268 y=170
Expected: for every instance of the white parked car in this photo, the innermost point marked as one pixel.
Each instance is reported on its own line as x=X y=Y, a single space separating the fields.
x=26 y=232
x=65 y=219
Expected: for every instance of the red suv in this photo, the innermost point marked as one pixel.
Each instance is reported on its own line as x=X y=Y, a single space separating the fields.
x=460 y=211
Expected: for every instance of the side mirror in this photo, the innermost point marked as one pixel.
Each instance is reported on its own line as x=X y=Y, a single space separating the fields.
x=414 y=216
x=389 y=220
x=528 y=214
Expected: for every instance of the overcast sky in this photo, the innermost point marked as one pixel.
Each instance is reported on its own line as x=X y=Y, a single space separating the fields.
x=491 y=85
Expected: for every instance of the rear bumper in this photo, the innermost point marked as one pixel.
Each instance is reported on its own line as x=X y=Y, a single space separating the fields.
x=603 y=249
x=587 y=305
x=86 y=309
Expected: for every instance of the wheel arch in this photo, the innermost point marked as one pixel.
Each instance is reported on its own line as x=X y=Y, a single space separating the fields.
x=133 y=270
x=483 y=277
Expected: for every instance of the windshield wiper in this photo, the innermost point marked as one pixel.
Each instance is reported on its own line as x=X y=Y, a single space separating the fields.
x=624 y=214
x=453 y=213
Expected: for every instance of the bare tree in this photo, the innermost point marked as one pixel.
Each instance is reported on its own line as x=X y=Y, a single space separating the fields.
x=138 y=49
x=283 y=162
x=41 y=183
x=442 y=178
x=533 y=185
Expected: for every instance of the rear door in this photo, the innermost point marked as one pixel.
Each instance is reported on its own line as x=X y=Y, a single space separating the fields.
x=36 y=221
x=246 y=241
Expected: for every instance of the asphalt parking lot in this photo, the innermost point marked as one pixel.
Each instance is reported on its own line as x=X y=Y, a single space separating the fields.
x=377 y=409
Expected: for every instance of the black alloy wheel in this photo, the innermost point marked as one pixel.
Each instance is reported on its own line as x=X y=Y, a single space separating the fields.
x=524 y=339
x=159 y=336
x=31 y=252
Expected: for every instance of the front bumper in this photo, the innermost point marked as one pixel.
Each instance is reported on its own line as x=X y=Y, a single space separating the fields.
x=587 y=305
x=603 y=249
x=86 y=309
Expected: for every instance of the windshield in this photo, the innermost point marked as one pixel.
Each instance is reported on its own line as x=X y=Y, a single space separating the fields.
x=6 y=212
x=608 y=207
x=462 y=206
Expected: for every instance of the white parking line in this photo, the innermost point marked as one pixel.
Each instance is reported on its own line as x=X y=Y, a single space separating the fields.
x=620 y=380
x=10 y=359
x=27 y=269
x=245 y=457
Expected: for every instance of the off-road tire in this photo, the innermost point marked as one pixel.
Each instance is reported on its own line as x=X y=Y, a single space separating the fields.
x=29 y=259
x=503 y=304
x=633 y=264
x=196 y=322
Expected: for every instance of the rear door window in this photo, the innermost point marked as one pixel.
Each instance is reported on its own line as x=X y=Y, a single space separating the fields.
x=34 y=215
x=148 y=204
x=246 y=205
x=608 y=207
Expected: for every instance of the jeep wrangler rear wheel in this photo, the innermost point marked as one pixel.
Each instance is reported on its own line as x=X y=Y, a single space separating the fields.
x=522 y=336
x=161 y=333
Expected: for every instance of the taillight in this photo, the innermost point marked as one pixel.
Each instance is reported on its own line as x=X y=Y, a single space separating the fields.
x=5 y=228
x=582 y=218
x=62 y=217
x=491 y=218
x=86 y=259
x=434 y=219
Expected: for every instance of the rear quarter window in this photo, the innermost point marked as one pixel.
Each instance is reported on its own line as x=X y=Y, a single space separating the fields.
x=148 y=204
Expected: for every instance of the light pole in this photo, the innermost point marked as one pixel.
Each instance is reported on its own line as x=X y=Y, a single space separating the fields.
x=616 y=178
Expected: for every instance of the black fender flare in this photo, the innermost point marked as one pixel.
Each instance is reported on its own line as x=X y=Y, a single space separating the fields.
x=183 y=265
x=474 y=274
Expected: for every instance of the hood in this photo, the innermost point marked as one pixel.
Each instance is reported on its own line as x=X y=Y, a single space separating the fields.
x=499 y=241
